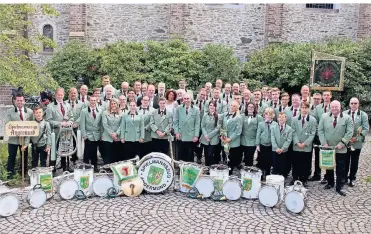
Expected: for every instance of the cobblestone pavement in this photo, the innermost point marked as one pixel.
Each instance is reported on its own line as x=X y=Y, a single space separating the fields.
x=173 y=212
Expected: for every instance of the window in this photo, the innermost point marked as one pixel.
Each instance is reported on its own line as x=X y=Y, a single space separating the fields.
x=49 y=33
x=320 y=6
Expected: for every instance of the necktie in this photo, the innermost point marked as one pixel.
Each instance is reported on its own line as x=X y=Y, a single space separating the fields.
x=73 y=104
x=186 y=110
x=132 y=116
x=62 y=109
x=353 y=116
x=83 y=99
x=94 y=115
x=162 y=113
x=199 y=105
x=268 y=123
x=20 y=114
x=281 y=128
x=302 y=122
x=295 y=112
x=275 y=105
x=227 y=99
x=325 y=109
x=334 y=123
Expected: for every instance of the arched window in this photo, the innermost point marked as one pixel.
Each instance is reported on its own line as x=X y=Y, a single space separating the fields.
x=49 y=33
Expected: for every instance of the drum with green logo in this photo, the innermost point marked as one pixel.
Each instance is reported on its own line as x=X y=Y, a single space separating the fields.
x=84 y=176
x=189 y=174
x=250 y=180
x=220 y=174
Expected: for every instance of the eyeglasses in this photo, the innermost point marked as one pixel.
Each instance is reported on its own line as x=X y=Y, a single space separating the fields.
x=145 y=99
x=353 y=103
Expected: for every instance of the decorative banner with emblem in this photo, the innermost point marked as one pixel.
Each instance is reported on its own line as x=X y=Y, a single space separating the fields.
x=327 y=72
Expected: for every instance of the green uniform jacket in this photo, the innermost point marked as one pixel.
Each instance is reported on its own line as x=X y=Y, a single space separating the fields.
x=261 y=108
x=340 y=134
x=204 y=107
x=223 y=96
x=221 y=106
x=233 y=126
x=76 y=110
x=360 y=120
x=46 y=137
x=162 y=123
x=111 y=124
x=243 y=105
x=320 y=110
x=304 y=134
x=263 y=134
x=55 y=117
x=147 y=122
x=313 y=110
x=132 y=130
x=13 y=115
x=209 y=129
x=290 y=114
x=248 y=136
x=187 y=125
x=279 y=109
x=280 y=139
x=91 y=128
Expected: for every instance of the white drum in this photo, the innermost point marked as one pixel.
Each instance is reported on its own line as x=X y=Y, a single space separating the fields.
x=189 y=174
x=9 y=204
x=269 y=195
x=101 y=184
x=44 y=177
x=250 y=180
x=154 y=154
x=295 y=198
x=279 y=182
x=68 y=187
x=36 y=197
x=232 y=188
x=220 y=174
x=84 y=176
x=157 y=174
x=205 y=186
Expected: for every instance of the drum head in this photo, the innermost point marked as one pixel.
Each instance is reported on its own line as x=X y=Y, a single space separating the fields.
x=68 y=189
x=8 y=205
x=205 y=186
x=157 y=174
x=294 y=202
x=232 y=189
x=101 y=186
x=268 y=196
x=132 y=188
x=37 y=198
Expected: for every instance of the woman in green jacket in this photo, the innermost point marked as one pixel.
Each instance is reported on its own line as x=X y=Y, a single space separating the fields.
x=210 y=128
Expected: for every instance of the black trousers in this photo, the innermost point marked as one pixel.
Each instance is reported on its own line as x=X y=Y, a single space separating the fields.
x=186 y=151
x=235 y=158
x=279 y=161
x=121 y=154
x=302 y=163
x=248 y=152
x=340 y=172
x=289 y=160
x=209 y=151
x=145 y=148
x=110 y=151
x=132 y=149
x=74 y=157
x=217 y=152
x=38 y=153
x=265 y=159
x=12 y=154
x=90 y=152
x=317 y=169
x=351 y=163
x=160 y=145
x=198 y=148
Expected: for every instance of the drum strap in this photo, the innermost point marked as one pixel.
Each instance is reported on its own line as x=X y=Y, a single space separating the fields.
x=80 y=195
x=111 y=192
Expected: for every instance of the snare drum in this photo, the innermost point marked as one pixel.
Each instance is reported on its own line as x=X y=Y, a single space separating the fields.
x=279 y=181
x=157 y=174
x=220 y=174
x=133 y=187
x=68 y=187
x=44 y=177
x=9 y=204
x=189 y=173
x=232 y=188
x=101 y=184
x=250 y=180
x=295 y=198
x=84 y=176
x=36 y=197
x=269 y=195
x=205 y=186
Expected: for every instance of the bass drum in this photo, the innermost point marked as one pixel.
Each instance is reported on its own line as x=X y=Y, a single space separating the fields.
x=9 y=204
x=205 y=186
x=133 y=187
x=232 y=189
x=157 y=174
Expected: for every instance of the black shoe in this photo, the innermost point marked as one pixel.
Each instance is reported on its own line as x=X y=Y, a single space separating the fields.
x=305 y=184
x=324 y=181
x=199 y=161
x=341 y=192
x=292 y=182
x=351 y=183
x=239 y=167
x=96 y=170
x=328 y=186
x=315 y=178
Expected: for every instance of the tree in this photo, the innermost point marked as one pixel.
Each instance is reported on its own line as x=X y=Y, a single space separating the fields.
x=17 y=46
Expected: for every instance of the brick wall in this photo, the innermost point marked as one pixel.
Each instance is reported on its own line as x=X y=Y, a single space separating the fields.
x=364 y=21
x=273 y=22
x=5 y=95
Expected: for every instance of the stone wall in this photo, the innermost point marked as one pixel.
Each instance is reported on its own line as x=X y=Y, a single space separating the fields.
x=5 y=95
x=300 y=24
x=364 y=21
